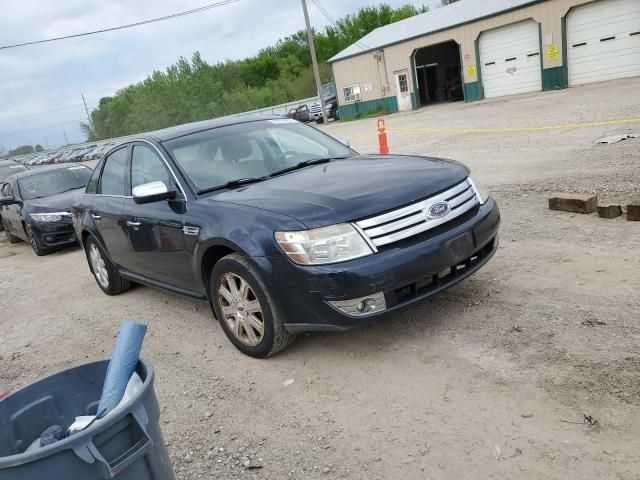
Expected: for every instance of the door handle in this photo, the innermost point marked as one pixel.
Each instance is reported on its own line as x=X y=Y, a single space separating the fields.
x=133 y=224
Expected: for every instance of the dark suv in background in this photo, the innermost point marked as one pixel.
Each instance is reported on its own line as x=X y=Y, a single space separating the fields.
x=281 y=228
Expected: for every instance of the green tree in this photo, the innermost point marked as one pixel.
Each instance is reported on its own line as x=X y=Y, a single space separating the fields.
x=444 y=3
x=22 y=150
x=39 y=148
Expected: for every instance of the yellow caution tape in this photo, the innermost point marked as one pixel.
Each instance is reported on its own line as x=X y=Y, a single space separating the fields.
x=568 y=126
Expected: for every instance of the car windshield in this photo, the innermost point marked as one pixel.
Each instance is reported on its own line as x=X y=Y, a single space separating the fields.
x=7 y=170
x=252 y=150
x=52 y=182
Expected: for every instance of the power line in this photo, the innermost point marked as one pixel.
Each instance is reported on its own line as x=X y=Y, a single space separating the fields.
x=122 y=27
x=359 y=43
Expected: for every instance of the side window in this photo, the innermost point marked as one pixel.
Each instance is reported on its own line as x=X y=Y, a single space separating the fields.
x=92 y=186
x=147 y=167
x=112 y=178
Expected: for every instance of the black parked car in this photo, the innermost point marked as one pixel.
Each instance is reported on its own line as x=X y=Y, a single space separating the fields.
x=8 y=168
x=36 y=205
x=281 y=228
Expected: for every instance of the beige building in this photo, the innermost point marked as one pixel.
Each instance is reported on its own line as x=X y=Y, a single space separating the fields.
x=475 y=49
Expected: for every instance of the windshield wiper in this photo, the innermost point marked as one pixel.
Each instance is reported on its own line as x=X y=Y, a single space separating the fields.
x=306 y=163
x=232 y=183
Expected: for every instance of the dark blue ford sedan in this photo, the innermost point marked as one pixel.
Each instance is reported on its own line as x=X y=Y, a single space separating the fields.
x=281 y=228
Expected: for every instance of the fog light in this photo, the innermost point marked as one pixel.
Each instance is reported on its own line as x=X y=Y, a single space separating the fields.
x=361 y=306
x=367 y=305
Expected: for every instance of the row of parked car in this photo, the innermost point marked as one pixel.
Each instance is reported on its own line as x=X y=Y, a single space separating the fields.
x=76 y=153
x=279 y=227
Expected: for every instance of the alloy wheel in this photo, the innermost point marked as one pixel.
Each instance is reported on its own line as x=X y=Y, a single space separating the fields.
x=98 y=265
x=32 y=239
x=241 y=309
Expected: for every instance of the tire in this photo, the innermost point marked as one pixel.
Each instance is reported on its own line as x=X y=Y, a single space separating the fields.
x=10 y=236
x=38 y=249
x=244 y=315
x=320 y=121
x=106 y=274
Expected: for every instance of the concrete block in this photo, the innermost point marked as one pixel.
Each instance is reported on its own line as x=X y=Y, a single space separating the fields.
x=573 y=202
x=633 y=211
x=609 y=211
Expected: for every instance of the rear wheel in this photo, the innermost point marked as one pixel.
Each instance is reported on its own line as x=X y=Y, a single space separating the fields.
x=10 y=236
x=245 y=309
x=105 y=272
x=38 y=249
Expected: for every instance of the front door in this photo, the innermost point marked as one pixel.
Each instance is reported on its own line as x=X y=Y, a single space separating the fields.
x=402 y=90
x=107 y=210
x=156 y=229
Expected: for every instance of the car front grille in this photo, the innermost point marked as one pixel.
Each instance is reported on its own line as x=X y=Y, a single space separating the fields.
x=315 y=108
x=413 y=219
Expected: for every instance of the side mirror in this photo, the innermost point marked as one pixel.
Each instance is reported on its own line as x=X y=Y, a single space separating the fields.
x=344 y=141
x=6 y=201
x=152 y=192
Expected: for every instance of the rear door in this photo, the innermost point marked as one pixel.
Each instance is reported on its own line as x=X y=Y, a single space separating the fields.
x=11 y=213
x=156 y=229
x=107 y=209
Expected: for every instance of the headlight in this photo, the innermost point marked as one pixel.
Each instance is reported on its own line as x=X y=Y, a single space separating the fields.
x=482 y=194
x=328 y=106
x=49 y=217
x=319 y=246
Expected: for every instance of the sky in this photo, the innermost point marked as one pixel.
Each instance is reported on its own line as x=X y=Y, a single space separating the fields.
x=41 y=85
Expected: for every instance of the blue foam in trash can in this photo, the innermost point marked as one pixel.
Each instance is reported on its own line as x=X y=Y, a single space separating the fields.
x=126 y=445
x=122 y=365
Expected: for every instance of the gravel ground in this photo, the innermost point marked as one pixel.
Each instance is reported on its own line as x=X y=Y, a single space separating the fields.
x=529 y=369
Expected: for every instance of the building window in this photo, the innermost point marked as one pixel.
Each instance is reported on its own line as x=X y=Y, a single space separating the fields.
x=351 y=93
x=402 y=81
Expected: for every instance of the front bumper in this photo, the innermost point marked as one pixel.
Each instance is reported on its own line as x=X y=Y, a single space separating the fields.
x=54 y=234
x=406 y=272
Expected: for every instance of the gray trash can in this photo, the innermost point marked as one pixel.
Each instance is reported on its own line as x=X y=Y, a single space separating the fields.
x=127 y=445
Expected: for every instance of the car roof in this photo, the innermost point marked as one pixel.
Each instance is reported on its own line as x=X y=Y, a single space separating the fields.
x=46 y=168
x=189 y=128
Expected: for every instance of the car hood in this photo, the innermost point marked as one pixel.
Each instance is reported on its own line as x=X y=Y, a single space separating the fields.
x=55 y=203
x=349 y=189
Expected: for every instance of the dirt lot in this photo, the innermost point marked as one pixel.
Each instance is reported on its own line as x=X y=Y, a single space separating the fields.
x=491 y=379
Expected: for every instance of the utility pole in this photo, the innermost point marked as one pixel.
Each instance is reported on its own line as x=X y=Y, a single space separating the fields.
x=88 y=116
x=314 y=60
x=65 y=137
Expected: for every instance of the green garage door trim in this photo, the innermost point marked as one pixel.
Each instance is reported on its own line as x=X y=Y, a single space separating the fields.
x=353 y=110
x=554 y=78
x=473 y=91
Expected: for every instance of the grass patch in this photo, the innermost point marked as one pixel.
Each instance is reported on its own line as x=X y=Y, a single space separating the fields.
x=377 y=112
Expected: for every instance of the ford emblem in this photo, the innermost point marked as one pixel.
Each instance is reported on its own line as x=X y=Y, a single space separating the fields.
x=438 y=210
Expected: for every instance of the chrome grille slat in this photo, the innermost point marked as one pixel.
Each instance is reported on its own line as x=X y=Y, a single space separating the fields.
x=411 y=220
x=418 y=217
x=414 y=208
x=459 y=200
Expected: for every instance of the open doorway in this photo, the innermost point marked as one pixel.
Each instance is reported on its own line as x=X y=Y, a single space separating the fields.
x=438 y=73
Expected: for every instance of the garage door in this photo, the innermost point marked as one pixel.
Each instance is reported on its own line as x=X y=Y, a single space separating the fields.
x=510 y=59
x=603 y=41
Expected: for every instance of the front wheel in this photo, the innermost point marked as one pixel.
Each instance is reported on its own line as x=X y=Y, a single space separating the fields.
x=38 y=249
x=105 y=272
x=245 y=309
